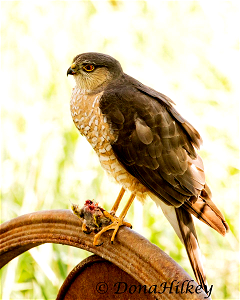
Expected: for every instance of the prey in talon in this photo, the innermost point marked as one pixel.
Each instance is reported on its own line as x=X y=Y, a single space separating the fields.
x=96 y=219
x=92 y=216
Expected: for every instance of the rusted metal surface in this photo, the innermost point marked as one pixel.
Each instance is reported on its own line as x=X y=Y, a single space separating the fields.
x=131 y=252
x=98 y=279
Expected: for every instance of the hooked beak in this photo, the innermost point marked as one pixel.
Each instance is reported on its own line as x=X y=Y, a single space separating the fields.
x=70 y=71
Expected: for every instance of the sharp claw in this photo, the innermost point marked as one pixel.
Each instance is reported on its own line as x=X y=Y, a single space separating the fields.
x=86 y=232
x=97 y=245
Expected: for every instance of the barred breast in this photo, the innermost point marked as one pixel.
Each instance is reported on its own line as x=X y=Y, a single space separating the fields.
x=91 y=123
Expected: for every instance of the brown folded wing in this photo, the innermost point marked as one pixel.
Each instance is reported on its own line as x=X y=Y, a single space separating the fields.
x=157 y=146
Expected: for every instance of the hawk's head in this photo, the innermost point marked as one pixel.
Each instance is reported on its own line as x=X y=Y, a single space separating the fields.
x=94 y=70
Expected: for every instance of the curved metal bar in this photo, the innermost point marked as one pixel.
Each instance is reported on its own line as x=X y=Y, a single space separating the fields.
x=134 y=254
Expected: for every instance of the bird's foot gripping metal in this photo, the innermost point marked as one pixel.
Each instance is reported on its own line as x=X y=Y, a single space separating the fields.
x=96 y=219
x=116 y=223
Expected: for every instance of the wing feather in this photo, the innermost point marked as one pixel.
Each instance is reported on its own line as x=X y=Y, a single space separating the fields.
x=157 y=146
x=144 y=132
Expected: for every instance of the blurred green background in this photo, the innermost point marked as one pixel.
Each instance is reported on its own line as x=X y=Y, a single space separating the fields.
x=188 y=50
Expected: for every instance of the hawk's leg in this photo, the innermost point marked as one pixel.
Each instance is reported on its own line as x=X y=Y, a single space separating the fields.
x=117 y=202
x=116 y=222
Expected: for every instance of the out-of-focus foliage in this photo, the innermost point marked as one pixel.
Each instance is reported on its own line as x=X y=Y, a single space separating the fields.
x=187 y=50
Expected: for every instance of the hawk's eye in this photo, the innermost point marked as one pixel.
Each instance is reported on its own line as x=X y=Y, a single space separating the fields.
x=88 y=68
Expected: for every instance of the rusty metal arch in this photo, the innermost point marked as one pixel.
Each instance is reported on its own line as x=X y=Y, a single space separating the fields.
x=134 y=254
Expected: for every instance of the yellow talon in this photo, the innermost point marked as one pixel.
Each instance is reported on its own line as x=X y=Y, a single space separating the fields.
x=116 y=223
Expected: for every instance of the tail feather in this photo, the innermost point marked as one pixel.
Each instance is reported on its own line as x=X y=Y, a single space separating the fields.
x=182 y=222
x=190 y=241
x=205 y=210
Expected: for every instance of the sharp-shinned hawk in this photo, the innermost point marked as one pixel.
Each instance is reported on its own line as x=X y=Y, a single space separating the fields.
x=146 y=145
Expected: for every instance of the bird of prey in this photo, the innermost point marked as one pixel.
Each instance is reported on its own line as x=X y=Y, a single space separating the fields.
x=146 y=146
